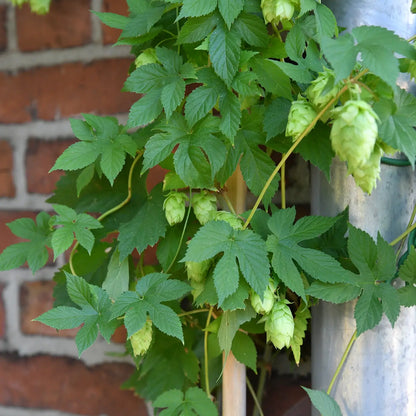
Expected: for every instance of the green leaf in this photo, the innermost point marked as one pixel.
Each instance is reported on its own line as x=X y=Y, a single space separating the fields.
x=299 y=73
x=172 y=95
x=200 y=402
x=196 y=29
x=324 y=403
x=72 y=223
x=390 y=301
x=407 y=296
x=113 y=20
x=84 y=178
x=142 y=20
x=326 y=23
x=195 y=8
x=251 y=29
x=301 y=323
x=275 y=117
x=146 y=227
x=117 y=279
x=199 y=102
x=147 y=109
x=224 y=50
x=334 y=293
x=284 y=244
x=230 y=115
x=230 y=9
x=244 y=350
x=33 y=251
x=407 y=271
x=62 y=317
x=244 y=245
x=368 y=310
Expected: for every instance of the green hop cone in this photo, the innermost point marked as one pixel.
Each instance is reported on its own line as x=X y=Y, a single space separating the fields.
x=366 y=175
x=301 y=115
x=40 y=6
x=197 y=270
x=233 y=220
x=265 y=306
x=204 y=205
x=276 y=10
x=174 y=206
x=354 y=132
x=320 y=92
x=141 y=340
x=197 y=288
x=280 y=325
x=148 y=56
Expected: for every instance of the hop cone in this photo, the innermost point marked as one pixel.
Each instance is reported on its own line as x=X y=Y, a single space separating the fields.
x=205 y=206
x=279 y=325
x=315 y=91
x=276 y=10
x=301 y=114
x=140 y=341
x=174 y=206
x=40 y=6
x=265 y=306
x=148 y=56
x=366 y=175
x=226 y=216
x=197 y=271
x=354 y=132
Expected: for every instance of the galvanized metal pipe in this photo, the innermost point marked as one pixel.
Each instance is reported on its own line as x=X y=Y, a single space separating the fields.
x=379 y=376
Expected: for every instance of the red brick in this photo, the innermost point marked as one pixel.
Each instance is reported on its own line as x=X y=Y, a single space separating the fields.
x=3 y=33
x=65 y=90
x=40 y=157
x=67 y=24
x=67 y=385
x=35 y=299
x=7 y=188
x=2 y=313
x=111 y=35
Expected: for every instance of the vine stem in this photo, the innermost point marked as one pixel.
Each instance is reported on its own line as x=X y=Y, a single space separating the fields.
x=255 y=399
x=111 y=210
x=341 y=363
x=298 y=140
x=193 y=312
x=403 y=235
x=206 y=354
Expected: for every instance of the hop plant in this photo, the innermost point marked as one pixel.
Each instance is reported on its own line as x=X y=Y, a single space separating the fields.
x=141 y=340
x=315 y=92
x=226 y=216
x=301 y=114
x=148 y=56
x=40 y=6
x=354 y=132
x=276 y=10
x=280 y=325
x=197 y=271
x=366 y=175
x=265 y=306
x=205 y=206
x=174 y=206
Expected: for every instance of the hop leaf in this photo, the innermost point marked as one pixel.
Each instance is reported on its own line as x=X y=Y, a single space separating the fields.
x=174 y=206
x=280 y=325
x=354 y=132
x=264 y=306
x=366 y=175
x=205 y=206
x=276 y=10
x=230 y=218
x=148 y=56
x=301 y=114
x=141 y=340
x=301 y=323
x=197 y=271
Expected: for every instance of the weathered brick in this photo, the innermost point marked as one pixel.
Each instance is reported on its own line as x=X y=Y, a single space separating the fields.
x=40 y=157
x=2 y=313
x=60 y=91
x=67 y=385
x=7 y=188
x=35 y=299
x=111 y=35
x=67 y=24
x=3 y=33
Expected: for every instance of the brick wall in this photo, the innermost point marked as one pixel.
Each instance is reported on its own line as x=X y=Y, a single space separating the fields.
x=51 y=68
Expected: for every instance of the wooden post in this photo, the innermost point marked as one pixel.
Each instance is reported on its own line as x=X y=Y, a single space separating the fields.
x=234 y=374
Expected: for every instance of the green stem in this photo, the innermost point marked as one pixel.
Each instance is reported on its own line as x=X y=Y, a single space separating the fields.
x=412 y=218
x=112 y=210
x=267 y=355
x=341 y=363
x=256 y=402
x=229 y=204
x=193 y=312
x=283 y=185
x=183 y=233
x=298 y=140
x=403 y=235
x=206 y=354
